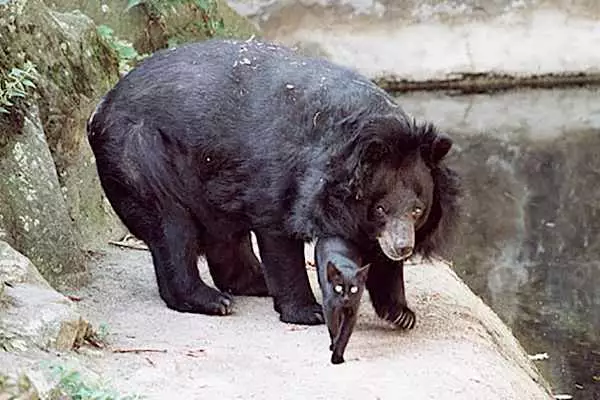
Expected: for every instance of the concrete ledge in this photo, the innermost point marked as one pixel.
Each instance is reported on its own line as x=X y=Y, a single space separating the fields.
x=459 y=350
x=451 y=43
x=514 y=116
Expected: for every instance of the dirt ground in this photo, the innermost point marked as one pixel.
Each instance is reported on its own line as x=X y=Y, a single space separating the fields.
x=458 y=350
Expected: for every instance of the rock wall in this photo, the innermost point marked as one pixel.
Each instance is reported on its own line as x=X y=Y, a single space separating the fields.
x=52 y=207
x=51 y=203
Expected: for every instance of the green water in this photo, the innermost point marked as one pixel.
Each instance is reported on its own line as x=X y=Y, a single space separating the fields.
x=530 y=241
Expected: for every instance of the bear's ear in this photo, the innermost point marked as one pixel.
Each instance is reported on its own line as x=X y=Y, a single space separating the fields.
x=372 y=141
x=374 y=150
x=440 y=146
x=376 y=138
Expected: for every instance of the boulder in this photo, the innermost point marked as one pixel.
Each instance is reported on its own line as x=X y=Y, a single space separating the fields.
x=15 y=268
x=32 y=207
x=32 y=314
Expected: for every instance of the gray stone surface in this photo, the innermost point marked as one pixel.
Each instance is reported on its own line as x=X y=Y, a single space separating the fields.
x=16 y=268
x=34 y=318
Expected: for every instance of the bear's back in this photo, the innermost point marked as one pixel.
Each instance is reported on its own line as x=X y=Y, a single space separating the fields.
x=255 y=81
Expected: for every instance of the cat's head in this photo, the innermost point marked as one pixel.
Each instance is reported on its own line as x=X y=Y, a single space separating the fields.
x=348 y=284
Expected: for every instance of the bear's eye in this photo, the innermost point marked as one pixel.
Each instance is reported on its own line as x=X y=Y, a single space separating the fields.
x=338 y=288
x=417 y=212
x=353 y=289
x=380 y=210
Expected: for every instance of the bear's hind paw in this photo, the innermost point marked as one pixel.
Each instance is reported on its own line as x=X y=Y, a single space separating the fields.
x=204 y=300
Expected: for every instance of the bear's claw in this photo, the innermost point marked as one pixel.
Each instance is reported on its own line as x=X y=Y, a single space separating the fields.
x=403 y=317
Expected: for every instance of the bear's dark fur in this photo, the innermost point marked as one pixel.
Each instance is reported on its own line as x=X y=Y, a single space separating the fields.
x=200 y=145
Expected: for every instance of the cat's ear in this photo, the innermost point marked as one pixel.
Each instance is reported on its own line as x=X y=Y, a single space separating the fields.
x=363 y=273
x=332 y=271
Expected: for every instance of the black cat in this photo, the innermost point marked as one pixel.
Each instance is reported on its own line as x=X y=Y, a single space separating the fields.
x=342 y=279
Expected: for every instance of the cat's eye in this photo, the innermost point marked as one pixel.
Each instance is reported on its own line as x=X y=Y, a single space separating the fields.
x=380 y=210
x=338 y=288
x=353 y=289
x=417 y=212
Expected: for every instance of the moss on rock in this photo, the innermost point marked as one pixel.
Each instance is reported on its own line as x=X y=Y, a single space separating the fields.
x=32 y=205
x=76 y=67
x=149 y=30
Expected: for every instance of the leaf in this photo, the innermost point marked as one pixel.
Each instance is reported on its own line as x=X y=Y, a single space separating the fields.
x=4 y=110
x=28 y=83
x=172 y=42
x=105 y=31
x=133 y=3
x=126 y=51
x=203 y=4
x=15 y=72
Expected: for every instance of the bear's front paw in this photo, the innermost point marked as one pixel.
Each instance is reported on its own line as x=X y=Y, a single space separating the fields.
x=311 y=314
x=400 y=316
x=204 y=300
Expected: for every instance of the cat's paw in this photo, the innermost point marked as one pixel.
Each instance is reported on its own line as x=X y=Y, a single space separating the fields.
x=337 y=358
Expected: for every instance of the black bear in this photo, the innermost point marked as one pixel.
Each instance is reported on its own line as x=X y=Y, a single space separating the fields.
x=200 y=145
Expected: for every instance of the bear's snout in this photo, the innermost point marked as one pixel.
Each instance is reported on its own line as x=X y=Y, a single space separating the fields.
x=397 y=240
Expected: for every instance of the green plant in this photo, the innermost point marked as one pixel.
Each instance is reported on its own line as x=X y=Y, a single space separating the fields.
x=128 y=55
x=209 y=23
x=103 y=331
x=72 y=386
x=216 y=26
x=16 y=84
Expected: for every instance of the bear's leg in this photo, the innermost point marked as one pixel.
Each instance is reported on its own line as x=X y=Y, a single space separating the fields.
x=385 y=284
x=285 y=269
x=235 y=268
x=173 y=241
x=175 y=250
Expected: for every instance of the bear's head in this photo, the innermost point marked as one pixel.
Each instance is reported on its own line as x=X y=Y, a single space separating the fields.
x=404 y=196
